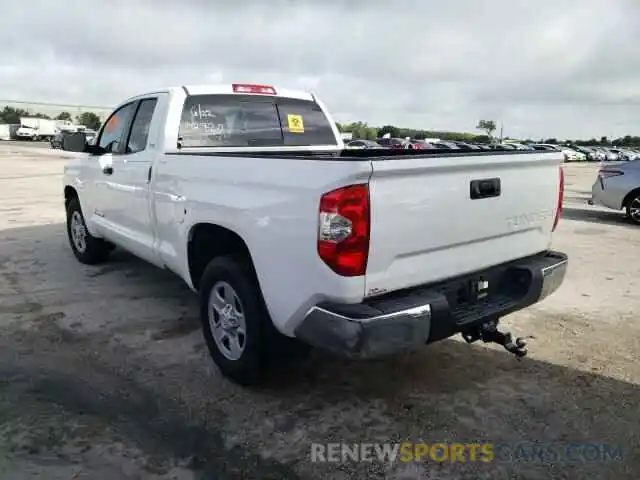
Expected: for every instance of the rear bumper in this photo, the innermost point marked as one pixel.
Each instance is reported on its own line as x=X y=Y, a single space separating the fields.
x=428 y=313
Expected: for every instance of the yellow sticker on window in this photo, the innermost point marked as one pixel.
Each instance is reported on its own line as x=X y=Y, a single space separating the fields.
x=296 y=124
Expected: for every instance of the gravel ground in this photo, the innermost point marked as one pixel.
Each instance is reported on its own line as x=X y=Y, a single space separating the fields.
x=104 y=374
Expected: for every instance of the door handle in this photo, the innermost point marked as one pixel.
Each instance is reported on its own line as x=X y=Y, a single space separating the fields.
x=485 y=188
x=107 y=169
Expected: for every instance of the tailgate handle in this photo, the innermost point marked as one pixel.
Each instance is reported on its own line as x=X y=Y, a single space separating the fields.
x=485 y=188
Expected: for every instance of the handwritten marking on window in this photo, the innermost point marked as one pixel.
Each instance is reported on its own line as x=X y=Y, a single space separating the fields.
x=198 y=111
x=205 y=127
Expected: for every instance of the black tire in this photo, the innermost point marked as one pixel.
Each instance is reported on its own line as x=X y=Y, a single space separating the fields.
x=633 y=203
x=265 y=348
x=95 y=249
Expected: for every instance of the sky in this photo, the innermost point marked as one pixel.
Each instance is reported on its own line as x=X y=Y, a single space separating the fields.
x=542 y=68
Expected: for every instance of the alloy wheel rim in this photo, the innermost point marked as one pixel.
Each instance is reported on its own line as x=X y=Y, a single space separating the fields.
x=634 y=209
x=78 y=232
x=227 y=320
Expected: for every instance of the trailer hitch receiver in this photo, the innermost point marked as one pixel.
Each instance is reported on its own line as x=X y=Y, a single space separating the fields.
x=489 y=333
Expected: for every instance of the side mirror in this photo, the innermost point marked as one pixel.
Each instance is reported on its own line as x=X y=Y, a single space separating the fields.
x=74 y=142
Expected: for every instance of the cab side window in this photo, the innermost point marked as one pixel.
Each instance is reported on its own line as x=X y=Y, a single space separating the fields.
x=113 y=131
x=139 y=135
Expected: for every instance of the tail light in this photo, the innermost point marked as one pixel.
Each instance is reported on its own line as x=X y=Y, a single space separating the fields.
x=606 y=173
x=259 y=89
x=343 y=230
x=560 y=199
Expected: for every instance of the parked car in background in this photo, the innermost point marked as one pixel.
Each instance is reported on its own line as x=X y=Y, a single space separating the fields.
x=622 y=155
x=599 y=154
x=483 y=146
x=417 y=145
x=572 y=155
x=610 y=156
x=625 y=154
x=503 y=146
x=423 y=145
x=618 y=187
x=360 y=143
x=545 y=147
x=401 y=143
x=521 y=146
x=465 y=146
x=589 y=153
x=447 y=145
x=394 y=143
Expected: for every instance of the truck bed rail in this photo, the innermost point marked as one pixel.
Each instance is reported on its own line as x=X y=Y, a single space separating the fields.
x=357 y=154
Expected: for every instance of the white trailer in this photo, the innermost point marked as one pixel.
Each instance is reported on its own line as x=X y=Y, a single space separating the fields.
x=40 y=128
x=5 y=131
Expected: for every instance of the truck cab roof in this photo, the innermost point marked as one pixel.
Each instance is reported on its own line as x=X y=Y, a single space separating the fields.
x=229 y=89
x=235 y=117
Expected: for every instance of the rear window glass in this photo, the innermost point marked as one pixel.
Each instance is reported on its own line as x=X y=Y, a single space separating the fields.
x=252 y=121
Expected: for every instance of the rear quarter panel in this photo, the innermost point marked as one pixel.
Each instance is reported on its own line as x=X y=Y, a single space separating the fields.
x=272 y=204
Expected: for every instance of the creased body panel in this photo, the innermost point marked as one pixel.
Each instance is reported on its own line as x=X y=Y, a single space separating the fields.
x=425 y=226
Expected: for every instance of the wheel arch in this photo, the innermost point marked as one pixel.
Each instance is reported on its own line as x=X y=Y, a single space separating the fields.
x=631 y=195
x=70 y=193
x=206 y=241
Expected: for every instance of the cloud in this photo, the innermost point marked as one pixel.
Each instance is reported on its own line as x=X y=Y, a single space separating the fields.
x=544 y=68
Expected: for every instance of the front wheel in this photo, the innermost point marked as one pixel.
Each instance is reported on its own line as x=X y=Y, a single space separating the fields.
x=86 y=248
x=633 y=209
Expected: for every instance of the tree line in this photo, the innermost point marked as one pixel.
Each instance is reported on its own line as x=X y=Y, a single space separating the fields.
x=359 y=130
x=362 y=130
x=11 y=115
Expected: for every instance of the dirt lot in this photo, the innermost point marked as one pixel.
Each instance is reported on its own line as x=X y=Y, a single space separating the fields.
x=104 y=374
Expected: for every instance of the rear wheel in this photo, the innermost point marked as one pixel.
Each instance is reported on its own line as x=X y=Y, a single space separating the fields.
x=237 y=328
x=633 y=208
x=86 y=248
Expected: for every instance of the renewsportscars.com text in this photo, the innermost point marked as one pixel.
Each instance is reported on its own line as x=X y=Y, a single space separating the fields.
x=507 y=452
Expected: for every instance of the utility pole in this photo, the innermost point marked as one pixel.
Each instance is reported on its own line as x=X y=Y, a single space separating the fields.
x=501 y=131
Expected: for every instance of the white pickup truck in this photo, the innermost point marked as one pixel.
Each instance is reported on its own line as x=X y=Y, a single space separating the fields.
x=247 y=193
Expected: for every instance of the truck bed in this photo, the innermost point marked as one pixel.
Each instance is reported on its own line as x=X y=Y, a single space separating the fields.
x=438 y=214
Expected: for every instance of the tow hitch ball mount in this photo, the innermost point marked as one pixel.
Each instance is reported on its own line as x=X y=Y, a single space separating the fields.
x=489 y=333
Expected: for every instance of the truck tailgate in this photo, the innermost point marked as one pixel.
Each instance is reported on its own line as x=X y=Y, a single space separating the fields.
x=426 y=227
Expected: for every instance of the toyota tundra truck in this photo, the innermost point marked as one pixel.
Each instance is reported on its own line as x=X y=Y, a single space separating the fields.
x=292 y=241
